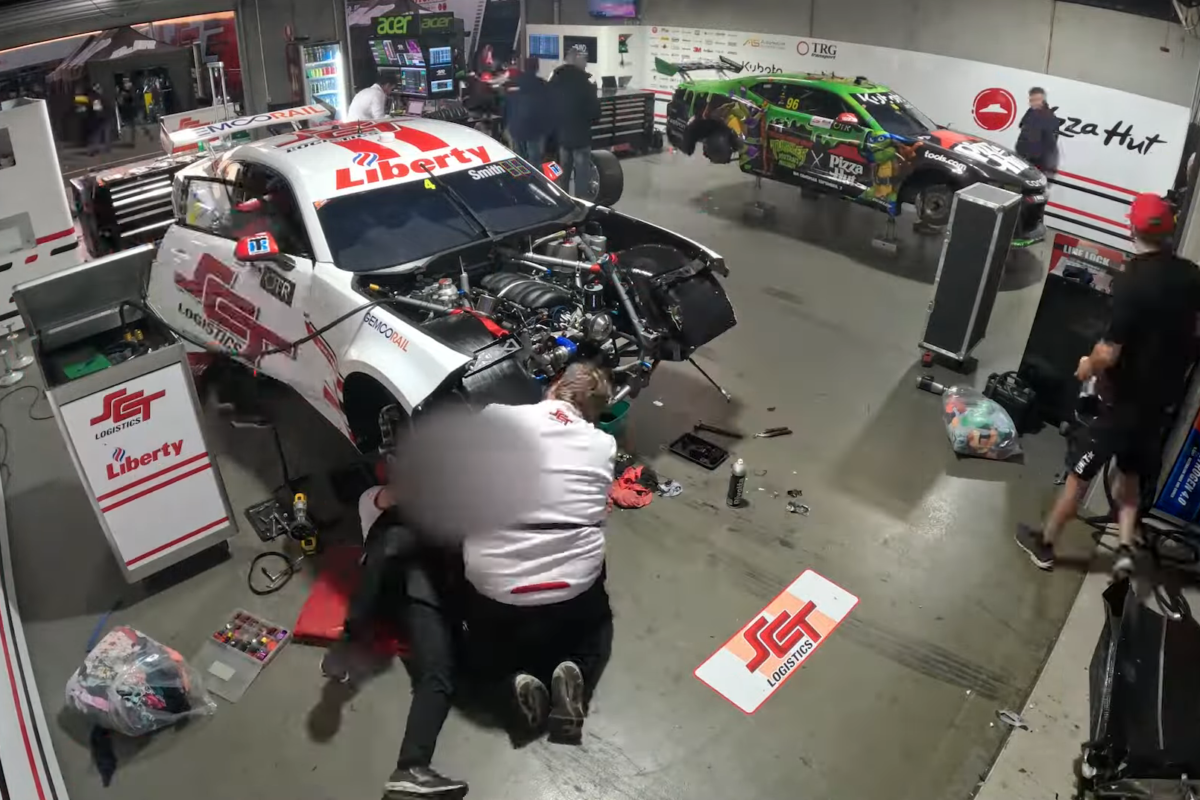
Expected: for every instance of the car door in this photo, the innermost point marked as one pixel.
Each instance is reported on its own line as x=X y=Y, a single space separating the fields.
x=835 y=158
x=250 y=308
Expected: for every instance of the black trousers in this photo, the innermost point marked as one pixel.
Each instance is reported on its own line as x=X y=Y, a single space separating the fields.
x=506 y=639
x=431 y=663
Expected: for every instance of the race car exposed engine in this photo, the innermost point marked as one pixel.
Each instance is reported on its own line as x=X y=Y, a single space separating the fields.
x=527 y=307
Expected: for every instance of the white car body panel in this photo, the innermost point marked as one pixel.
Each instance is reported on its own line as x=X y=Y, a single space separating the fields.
x=199 y=287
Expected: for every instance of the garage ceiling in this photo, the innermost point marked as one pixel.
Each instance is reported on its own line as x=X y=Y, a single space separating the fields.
x=1158 y=9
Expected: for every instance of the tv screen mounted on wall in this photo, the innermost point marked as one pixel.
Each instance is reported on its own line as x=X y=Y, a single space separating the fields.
x=621 y=9
x=589 y=42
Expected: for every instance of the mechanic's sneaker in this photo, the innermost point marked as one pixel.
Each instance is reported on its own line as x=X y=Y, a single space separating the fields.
x=533 y=701
x=338 y=660
x=567 y=709
x=1033 y=543
x=420 y=781
x=1123 y=563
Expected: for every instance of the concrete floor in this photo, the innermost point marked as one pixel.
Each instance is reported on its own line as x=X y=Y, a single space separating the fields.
x=953 y=621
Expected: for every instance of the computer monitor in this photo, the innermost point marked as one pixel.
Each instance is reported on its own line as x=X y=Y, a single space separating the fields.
x=608 y=82
x=440 y=55
x=414 y=81
x=544 y=45
x=416 y=107
x=383 y=52
x=410 y=53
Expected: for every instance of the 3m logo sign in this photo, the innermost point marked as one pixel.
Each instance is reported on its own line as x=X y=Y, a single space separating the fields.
x=760 y=657
x=120 y=406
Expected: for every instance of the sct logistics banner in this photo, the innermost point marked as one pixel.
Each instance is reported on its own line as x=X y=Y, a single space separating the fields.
x=1113 y=144
x=1181 y=494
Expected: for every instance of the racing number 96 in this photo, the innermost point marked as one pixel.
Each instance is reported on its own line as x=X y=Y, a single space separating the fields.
x=793 y=103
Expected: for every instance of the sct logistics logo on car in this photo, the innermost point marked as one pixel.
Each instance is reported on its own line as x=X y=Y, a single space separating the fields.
x=124 y=410
x=769 y=649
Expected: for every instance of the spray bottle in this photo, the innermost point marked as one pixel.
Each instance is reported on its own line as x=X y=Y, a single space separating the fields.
x=737 y=484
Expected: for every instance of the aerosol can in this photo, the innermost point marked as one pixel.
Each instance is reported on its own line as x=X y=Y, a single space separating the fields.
x=737 y=484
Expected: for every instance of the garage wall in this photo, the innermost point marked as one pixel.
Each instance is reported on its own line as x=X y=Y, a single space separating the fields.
x=319 y=20
x=40 y=20
x=1103 y=47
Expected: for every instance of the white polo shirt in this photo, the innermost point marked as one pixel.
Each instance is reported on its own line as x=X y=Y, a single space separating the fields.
x=557 y=551
x=369 y=104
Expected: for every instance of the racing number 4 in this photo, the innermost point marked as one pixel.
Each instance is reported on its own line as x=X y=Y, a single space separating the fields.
x=429 y=184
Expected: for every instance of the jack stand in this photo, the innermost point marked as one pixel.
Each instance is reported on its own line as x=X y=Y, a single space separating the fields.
x=756 y=210
x=728 y=397
x=887 y=242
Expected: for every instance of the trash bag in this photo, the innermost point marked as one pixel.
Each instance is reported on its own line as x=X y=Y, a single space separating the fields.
x=978 y=426
x=134 y=685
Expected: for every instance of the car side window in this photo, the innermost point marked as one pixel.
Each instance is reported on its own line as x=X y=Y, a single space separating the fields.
x=816 y=102
x=264 y=201
x=207 y=206
x=768 y=90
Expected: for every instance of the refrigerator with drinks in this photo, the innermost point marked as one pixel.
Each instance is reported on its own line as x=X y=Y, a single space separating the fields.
x=324 y=71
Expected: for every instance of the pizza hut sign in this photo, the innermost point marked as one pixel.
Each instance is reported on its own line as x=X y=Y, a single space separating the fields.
x=1119 y=133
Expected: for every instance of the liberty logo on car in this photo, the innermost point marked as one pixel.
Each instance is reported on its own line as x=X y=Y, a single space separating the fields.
x=772 y=647
x=994 y=109
x=365 y=159
x=392 y=169
x=124 y=410
x=213 y=285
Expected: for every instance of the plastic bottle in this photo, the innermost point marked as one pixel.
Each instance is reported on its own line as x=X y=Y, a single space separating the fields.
x=737 y=484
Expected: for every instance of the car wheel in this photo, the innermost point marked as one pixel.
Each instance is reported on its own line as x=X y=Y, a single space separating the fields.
x=606 y=183
x=933 y=204
x=364 y=398
x=718 y=147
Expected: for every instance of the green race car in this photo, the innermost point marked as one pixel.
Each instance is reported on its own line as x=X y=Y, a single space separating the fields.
x=844 y=136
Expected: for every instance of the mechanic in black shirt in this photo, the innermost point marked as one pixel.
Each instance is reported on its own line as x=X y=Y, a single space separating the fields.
x=1141 y=367
x=1037 y=142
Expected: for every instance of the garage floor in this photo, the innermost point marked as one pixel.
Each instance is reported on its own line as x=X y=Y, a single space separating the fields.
x=953 y=622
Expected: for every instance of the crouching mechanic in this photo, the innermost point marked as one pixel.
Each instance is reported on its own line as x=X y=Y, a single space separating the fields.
x=1141 y=366
x=402 y=571
x=539 y=611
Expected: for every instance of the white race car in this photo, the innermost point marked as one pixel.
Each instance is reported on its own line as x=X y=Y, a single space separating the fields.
x=397 y=263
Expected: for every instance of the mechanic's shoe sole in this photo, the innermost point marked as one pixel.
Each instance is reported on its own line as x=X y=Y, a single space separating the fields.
x=533 y=701
x=567 y=711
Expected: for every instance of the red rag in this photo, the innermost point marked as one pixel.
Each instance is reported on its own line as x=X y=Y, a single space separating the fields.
x=627 y=492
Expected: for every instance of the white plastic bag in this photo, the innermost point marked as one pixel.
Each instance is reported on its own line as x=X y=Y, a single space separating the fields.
x=978 y=426
x=134 y=685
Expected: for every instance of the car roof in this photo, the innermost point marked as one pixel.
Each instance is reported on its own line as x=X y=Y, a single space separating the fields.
x=337 y=159
x=833 y=83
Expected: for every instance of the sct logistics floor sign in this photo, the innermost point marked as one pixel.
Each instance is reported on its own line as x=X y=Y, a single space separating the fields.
x=760 y=657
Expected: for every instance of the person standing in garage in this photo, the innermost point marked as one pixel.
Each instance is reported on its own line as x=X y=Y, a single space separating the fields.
x=371 y=102
x=539 y=611
x=1141 y=367
x=526 y=111
x=1037 y=142
x=576 y=106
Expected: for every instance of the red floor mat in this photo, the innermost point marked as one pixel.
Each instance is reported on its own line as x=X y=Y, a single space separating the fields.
x=324 y=612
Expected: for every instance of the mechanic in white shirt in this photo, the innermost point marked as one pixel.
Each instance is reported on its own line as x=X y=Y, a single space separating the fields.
x=540 y=610
x=371 y=102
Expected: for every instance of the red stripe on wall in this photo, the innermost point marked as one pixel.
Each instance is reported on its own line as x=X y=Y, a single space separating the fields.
x=180 y=540
x=1095 y=182
x=1089 y=215
x=12 y=680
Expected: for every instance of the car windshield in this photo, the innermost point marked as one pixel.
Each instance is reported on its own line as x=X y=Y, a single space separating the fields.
x=895 y=114
x=409 y=221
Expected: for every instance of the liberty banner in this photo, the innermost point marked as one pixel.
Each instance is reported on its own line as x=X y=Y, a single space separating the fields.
x=771 y=648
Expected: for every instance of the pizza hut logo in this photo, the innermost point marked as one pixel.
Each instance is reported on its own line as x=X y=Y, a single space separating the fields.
x=213 y=285
x=123 y=409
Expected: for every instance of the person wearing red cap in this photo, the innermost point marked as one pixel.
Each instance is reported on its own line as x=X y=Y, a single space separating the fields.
x=1140 y=369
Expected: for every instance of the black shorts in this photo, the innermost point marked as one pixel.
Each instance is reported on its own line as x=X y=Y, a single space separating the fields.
x=1136 y=443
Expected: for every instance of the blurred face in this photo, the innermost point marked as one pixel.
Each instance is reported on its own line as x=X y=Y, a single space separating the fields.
x=387 y=87
x=1037 y=100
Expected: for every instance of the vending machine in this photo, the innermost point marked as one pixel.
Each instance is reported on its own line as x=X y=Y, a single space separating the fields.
x=324 y=71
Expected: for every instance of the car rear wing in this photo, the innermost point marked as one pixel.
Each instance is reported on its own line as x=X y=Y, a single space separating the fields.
x=682 y=68
x=188 y=137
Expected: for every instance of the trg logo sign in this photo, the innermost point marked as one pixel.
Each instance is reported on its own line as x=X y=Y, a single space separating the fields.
x=124 y=409
x=816 y=49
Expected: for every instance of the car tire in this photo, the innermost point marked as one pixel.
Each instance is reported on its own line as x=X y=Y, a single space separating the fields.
x=719 y=147
x=933 y=204
x=364 y=398
x=607 y=181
